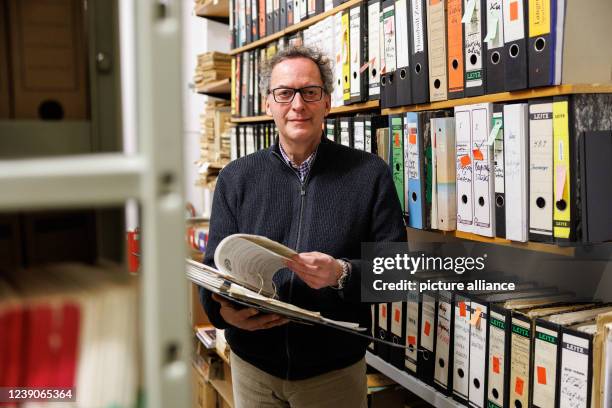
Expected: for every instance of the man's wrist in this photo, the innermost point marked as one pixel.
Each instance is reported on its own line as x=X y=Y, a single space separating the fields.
x=342 y=274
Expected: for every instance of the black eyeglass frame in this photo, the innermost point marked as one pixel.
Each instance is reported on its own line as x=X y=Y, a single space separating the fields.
x=295 y=92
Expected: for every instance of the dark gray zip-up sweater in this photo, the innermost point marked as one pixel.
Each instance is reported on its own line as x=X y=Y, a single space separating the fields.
x=348 y=198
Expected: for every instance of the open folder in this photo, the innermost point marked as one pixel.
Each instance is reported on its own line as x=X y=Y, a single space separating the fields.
x=246 y=265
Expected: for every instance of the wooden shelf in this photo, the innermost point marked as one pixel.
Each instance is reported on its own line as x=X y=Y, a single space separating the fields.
x=295 y=27
x=252 y=119
x=224 y=388
x=530 y=246
x=215 y=9
x=505 y=97
x=220 y=88
x=354 y=108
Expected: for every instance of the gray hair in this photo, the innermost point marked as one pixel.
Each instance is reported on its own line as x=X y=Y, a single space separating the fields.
x=313 y=54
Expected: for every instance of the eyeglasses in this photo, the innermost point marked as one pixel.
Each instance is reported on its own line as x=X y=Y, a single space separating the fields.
x=286 y=95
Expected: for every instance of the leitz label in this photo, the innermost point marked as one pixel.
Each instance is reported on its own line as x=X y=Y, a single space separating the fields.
x=546 y=337
x=521 y=331
x=473 y=75
x=497 y=323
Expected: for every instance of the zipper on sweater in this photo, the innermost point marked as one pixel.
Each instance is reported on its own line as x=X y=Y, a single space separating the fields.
x=297 y=247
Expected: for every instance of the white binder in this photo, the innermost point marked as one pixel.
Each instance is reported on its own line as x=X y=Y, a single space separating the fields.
x=541 y=170
x=483 y=177
x=461 y=362
x=443 y=341
x=497 y=359
x=436 y=45
x=463 y=151
x=337 y=55
x=355 y=56
x=478 y=354
x=412 y=335
x=516 y=171
x=374 y=50
x=443 y=130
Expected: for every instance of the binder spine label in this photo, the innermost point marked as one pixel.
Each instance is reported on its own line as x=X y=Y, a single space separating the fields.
x=461 y=367
x=561 y=174
x=539 y=17
x=497 y=359
x=574 y=380
x=443 y=343
x=473 y=49
x=519 y=365
x=412 y=330
x=417 y=26
x=544 y=367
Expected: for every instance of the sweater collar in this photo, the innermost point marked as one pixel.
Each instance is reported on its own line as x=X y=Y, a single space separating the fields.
x=275 y=147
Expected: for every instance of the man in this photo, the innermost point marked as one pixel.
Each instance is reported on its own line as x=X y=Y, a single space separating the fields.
x=323 y=200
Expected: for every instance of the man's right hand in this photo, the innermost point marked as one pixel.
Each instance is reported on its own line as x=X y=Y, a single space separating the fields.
x=247 y=319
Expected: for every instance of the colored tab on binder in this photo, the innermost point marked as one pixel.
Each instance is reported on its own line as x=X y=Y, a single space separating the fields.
x=542 y=375
x=496 y=369
x=469 y=11
x=476 y=317
x=518 y=386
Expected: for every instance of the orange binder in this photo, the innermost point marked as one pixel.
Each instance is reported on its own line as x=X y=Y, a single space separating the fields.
x=455 y=49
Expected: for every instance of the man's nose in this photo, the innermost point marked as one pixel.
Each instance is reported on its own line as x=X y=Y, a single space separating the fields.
x=298 y=101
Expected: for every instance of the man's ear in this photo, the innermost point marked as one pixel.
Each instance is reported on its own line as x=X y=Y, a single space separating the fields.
x=267 y=103
x=327 y=103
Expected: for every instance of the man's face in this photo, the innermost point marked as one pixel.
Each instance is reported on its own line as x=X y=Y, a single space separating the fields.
x=298 y=121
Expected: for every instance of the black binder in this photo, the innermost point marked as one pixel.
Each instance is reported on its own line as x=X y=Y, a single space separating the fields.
x=516 y=57
x=403 y=71
x=419 y=57
x=595 y=186
x=359 y=79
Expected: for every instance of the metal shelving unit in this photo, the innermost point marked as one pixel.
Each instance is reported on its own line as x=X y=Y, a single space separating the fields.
x=424 y=391
x=154 y=177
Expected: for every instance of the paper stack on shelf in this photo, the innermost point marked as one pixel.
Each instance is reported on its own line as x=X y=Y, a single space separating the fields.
x=214 y=141
x=212 y=66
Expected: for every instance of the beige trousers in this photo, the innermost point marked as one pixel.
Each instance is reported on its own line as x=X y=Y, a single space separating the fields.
x=254 y=388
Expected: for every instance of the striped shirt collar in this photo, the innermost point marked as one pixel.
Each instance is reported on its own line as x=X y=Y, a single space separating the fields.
x=303 y=169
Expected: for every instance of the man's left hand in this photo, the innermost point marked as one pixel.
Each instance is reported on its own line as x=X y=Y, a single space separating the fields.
x=316 y=269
